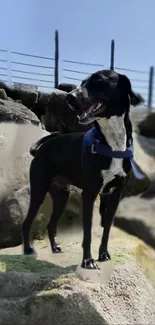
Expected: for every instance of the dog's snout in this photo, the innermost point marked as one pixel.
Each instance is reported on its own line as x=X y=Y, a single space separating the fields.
x=71 y=100
x=74 y=92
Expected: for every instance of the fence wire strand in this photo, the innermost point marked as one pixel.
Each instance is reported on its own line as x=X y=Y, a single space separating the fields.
x=23 y=69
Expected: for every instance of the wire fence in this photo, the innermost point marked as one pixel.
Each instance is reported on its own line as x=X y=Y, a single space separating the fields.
x=3 y=66
x=32 y=71
x=42 y=73
x=74 y=71
x=39 y=72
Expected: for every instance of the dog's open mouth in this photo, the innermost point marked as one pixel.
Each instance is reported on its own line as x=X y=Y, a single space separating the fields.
x=93 y=111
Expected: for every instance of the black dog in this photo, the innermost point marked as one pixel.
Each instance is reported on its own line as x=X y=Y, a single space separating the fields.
x=95 y=161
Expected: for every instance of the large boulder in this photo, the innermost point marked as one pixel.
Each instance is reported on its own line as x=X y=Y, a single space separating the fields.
x=27 y=98
x=11 y=111
x=15 y=142
x=147 y=126
x=137 y=216
x=136 y=186
x=53 y=290
x=145 y=159
x=35 y=300
x=144 y=144
x=13 y=210
x=145 y=154
x=3 y=94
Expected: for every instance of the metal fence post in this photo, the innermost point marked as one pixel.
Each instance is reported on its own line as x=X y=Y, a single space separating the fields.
x=150 y=90
x=112 y=54
x=56 y=81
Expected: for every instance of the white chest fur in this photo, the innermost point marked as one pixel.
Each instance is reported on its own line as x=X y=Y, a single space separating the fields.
x=115 y=134
x=116 y=168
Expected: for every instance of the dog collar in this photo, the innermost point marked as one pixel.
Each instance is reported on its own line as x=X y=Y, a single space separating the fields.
x=92 y=140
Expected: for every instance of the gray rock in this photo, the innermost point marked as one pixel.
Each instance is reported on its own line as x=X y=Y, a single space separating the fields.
x=15 y=143
x=16 y=112
x=35 y=299
x=136 y=186
x=13 y=210
x=3 y=94
x=145 y=154
x=27 y=98
x=137 y=216
x=146 y=126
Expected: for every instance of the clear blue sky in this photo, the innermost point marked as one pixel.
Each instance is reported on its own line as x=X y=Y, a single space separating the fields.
x=86 y=28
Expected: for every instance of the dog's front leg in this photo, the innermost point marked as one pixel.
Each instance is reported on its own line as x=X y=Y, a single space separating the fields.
x=88 y=203
x=107 y=212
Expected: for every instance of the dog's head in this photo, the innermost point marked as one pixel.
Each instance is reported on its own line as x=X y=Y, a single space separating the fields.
x=103 y=94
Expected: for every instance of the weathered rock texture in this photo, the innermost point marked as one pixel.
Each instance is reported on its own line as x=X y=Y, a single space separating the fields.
x=147 y=126
x=137 y=216
x=11 y=111
x=15 y=142
x=48 y=290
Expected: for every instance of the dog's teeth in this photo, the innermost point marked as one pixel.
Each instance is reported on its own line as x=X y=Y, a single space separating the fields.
x=99 y=105
x=82 y=116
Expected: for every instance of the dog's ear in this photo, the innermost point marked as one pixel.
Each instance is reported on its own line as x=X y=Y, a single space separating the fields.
x=136 y=98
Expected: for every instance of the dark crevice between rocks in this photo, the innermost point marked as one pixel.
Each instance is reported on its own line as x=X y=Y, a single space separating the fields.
x=137 y=228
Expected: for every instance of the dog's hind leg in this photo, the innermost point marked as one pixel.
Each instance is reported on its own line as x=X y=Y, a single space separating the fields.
x=39 y=185
x=108 y=206
x=60 y=197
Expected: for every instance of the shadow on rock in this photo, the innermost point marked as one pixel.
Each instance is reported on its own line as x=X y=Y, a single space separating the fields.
x=21 y=263
x=147 y=144
x=137 y=227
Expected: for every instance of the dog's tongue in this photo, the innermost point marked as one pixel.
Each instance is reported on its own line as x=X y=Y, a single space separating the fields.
x=91 y=108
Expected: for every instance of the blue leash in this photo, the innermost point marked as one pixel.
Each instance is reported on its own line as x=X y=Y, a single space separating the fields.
x=92 y=140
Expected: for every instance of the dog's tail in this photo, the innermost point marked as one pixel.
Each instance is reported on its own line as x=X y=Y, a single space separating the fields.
x=37 y=144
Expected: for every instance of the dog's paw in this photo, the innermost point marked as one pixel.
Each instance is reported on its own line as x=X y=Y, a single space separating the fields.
x=89 y=264
x=56 y=249
x=29 y=251
x=104 y=256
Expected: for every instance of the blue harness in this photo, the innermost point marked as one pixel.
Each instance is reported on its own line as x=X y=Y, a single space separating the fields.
x=93 y=141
